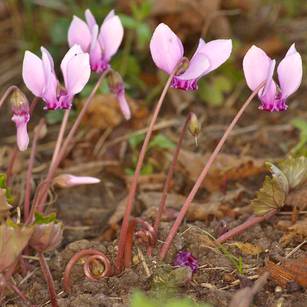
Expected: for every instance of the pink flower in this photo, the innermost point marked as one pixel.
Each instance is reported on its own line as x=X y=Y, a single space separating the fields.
x=39 y=76
x=167 y=52
x=21 y=117
x=258 y=67
x=100 y=44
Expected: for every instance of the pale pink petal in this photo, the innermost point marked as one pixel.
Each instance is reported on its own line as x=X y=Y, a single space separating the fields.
x=67 y=181
x=95 y=49
x=90 y=19
x=110 y=15
x=110 y=36
x=22 y=136
x=124 y=106
x=166 y=48
x=269 y=95
x=290 y=72
x=217 y=51
x=269 y=80
x=79 y=34
x=33 y=73
x=78 y=73
x=256 y=66
x=51 y=82
x=72 y=52
x=198 y=66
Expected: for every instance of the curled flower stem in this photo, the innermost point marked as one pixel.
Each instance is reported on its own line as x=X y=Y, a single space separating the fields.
x=28 y=185
x=49 y=280
x=169 y=177
x=92 y=255
x=132 y=189
x=253 y=220
x=165 y=247
x=41 y=193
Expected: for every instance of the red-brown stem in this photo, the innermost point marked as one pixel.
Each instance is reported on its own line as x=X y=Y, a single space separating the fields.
x=42 y=192
x=132 y=190
x=28 y=186
x=165 y=247
x=129 y=243
x=13 y=287
x=253 y=220
x=85 y=253
x=168 y=180
x=49 y=280
x=9 y=172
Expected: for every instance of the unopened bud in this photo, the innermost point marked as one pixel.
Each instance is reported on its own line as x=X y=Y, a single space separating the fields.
x=183 y=66
x=117 y=87
x=46 y=237
x=68 y=181
x=13 y=239
x=194 y=127
x=19 y=102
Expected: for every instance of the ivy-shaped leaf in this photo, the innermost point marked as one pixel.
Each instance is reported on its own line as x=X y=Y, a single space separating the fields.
x=44 y=219
x=288 y=175
x=295 y=169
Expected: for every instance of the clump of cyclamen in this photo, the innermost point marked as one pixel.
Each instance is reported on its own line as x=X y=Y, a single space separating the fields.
x=185 y=258
x=167 y=52
x=258 y=67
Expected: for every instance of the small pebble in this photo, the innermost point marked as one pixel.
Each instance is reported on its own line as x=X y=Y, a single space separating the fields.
x=278 y=289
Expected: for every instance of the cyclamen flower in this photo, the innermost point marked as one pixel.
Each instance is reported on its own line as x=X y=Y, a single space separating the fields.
x=258 y=67
x=100 y=44
x=167 y=52
x=21 y=117
x=39 y=76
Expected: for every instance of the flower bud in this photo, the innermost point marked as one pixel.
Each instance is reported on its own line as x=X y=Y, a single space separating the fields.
x=46 y=237
x=117 y=87
x=13 y=239
x=21 y=117
x=68 y=181
x=194 y=126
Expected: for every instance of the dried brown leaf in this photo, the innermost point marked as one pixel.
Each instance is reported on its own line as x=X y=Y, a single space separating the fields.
x=248 y=248
x=298 y=231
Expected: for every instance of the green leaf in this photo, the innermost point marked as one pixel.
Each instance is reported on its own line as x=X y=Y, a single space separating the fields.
x=128 y=22
x=161 y=141
x=44 y=219
x=8 y=192
x=295 y=169
x=58 y=31
x=143 y=34
x=135 y=140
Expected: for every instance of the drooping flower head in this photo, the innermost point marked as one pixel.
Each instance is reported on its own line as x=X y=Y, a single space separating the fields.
x=167 y=52
x=21 y=117
x=40 y=78
x=258 y=68
x=101 y=43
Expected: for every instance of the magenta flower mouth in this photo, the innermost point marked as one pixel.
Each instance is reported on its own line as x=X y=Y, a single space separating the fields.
x=277 y=105
x=186 y=85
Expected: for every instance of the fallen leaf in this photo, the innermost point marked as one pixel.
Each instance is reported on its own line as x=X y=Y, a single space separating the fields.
x=225 y=167
x=296 y=232
x=104 y=111
x=248 y=248
x=289 y=271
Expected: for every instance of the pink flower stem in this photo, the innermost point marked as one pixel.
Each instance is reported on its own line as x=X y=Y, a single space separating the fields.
x=168 y=180
x=28 y=185
x=41 y=194
x=49 y=280
x=253 y=220
x=165 y=247
x=13 y=287
x=8 y=91
x=119 y=261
